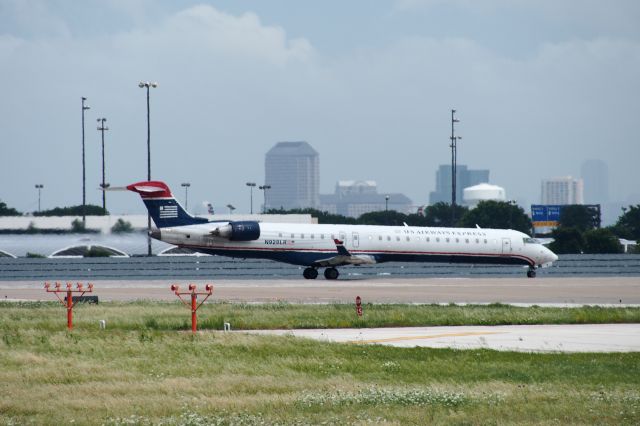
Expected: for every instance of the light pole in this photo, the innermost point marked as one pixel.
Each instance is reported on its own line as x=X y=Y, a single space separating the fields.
x=148 y=85
x=231 y=208
x=84 y=176
x=454 y=166
x=386 y=209
x=186 y=186
x=39 y=187
x=251 y=185
x=104 y=185
x=264 y=188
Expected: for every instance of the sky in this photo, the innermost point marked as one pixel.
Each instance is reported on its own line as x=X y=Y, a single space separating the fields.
x=539 y=87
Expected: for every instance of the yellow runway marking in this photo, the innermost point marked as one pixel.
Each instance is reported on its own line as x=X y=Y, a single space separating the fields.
x=432 y=336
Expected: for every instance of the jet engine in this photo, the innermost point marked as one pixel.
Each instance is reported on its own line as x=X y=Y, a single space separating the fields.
x=244 y=230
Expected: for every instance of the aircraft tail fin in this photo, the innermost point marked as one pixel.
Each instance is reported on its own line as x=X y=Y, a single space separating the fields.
x=164 y=209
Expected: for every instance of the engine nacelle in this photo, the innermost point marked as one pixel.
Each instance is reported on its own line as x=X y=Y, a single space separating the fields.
x=244 y=230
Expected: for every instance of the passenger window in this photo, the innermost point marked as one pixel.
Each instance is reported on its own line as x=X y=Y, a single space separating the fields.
x=457 y=240
x=301 y=236
x=485 y=241
x=408 y=239
x=292 y=236
x=466 y=240
x=437 y=239
x=397 y=238
x=380 y=237
x=280 y=235
x=427 y=239
x=388 y=238
x=312 y=237
x=322 y=236
x=447 y=239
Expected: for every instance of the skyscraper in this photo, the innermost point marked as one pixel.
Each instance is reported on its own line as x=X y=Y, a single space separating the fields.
x=292 y=169
x=465 y=178
x=595 y=175
x=562 y=190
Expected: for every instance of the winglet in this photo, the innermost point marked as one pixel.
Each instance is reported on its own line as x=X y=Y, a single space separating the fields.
x=341 y=248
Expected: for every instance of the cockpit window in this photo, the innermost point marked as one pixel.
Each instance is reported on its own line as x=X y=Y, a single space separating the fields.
x=530 y=241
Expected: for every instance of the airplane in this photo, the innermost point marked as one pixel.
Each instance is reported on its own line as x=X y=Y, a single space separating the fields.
x=329 y=246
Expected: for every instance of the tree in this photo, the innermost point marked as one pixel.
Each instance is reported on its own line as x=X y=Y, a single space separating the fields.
x=439 y=214
x=497 y=214
x=90 y=210
x=121 y=227
x=628 y=225
x=8 y=211
x=566 y=240
x=601 y=241
x=578 y=216
x=323 y=216
x=78 y=226
x=383 y=217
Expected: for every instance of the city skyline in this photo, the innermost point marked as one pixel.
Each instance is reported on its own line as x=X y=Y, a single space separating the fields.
x=539 y=88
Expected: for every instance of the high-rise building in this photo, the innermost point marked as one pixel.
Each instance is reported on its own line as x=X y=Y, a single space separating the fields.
x=355 y=198
x=464 y=179
x=595 y=175
x=292 y=169
x=562 y=190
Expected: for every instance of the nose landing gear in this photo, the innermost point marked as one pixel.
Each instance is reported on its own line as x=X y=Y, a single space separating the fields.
x=531 y=273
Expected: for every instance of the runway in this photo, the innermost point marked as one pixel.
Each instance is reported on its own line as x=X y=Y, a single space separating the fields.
x=523 y=338
x=570 y=291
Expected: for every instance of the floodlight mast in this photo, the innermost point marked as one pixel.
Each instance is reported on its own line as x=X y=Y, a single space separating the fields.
x=454 y=165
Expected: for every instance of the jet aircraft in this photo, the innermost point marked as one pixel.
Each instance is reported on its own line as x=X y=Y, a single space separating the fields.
x=329 y=246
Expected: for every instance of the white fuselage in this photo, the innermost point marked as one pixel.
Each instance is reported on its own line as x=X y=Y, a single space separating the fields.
x=306 y=244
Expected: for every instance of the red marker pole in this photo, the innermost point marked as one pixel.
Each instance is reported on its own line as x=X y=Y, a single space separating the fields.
x=57 y=290
x=194 y=308
x=69 y=307
x=175 y=288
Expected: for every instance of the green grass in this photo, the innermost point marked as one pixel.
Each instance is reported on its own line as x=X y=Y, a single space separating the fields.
x=212 y=316
x=141 y=371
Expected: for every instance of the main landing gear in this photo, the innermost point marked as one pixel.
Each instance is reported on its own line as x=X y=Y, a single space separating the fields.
x=312 y=273
x=331 y=273
x=531 y=273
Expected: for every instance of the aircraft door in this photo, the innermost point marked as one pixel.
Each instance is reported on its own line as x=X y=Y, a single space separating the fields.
x=355 y=240
x=506 y=245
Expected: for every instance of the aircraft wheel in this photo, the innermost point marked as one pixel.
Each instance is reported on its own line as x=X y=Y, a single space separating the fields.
x=331 y=273
x=531 y=273
x=310 y=273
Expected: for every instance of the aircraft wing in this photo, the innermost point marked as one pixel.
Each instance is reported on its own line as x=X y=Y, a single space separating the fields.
x=343 y=257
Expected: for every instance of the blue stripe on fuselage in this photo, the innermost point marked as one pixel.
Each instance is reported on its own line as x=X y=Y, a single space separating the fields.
x=309 y=258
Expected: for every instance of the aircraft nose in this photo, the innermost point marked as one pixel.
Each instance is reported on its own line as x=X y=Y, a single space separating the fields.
x=550 y=256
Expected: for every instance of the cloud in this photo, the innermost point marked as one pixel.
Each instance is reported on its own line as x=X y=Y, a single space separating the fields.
x=231 y=86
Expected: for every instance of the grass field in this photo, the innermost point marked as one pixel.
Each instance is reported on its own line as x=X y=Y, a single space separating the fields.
x=140 y=370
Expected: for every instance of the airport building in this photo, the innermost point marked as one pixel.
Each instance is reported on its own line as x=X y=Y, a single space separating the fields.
x=292 y=169
x=465 y=178
x=355 y=198
x=562 y=191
